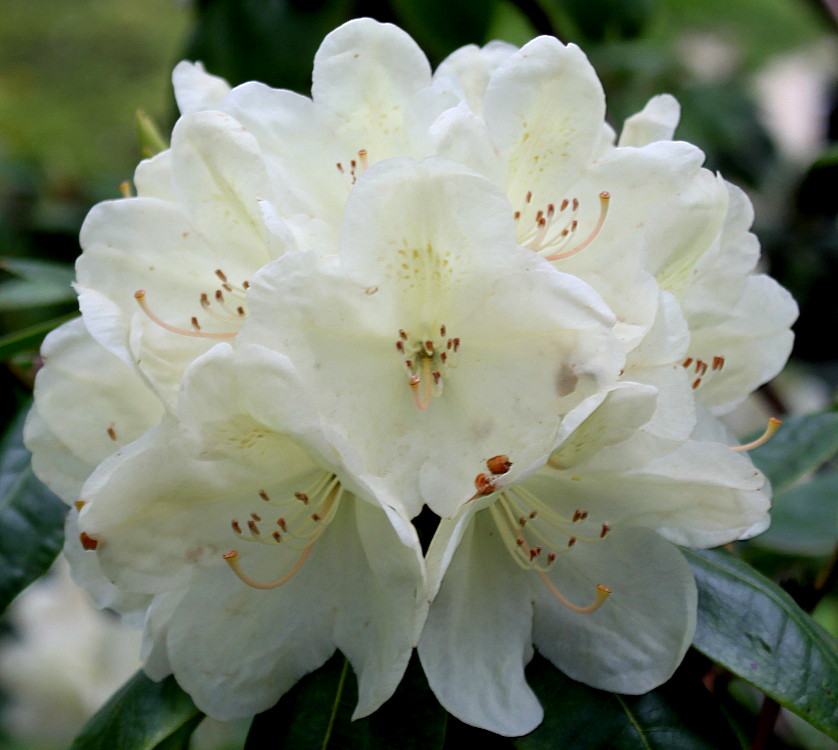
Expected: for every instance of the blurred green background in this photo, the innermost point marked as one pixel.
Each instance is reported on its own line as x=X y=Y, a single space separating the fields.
x=756 y=80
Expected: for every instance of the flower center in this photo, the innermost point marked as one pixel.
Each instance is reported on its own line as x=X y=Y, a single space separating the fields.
x=354 y=167
x=551 y=230
x=306 y=515
x=426 y=361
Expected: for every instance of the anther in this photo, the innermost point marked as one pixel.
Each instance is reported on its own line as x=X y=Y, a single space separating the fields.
x=87 y=541
x=111 y=432
x=316 y=517
x=221 y=275
x=773 y=426
x=264 y=496
x=277 y=536
x=302 y=497
x=140 y=296
x=255 y=517
x=499 y=464
x=235 y=524
x=528 y=198
x=687 y=362
x=484 y=484
x=571 y=541
x=79 y=504
x=605 y=529
x=604 y=199
x=564 y=205
x=340 y=167
x=362 y=155
x=282 y=524
x=195 y=324
x=254 y=529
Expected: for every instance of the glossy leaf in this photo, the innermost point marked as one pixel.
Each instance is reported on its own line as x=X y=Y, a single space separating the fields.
x=680 y=714
x=801 y=445
x=317 y=713
x=31 y=518
x=804 y=519
x=751 y=626
x=142 y=715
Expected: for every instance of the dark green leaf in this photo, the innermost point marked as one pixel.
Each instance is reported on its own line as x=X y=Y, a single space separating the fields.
x=440 y=26
x=142 y=715
x=317 y=713
x=751 y=626
x=804 y=519
x=680 y=714
x=28 y=339
x=801 y=445
x=40 y=282
x=31 y=518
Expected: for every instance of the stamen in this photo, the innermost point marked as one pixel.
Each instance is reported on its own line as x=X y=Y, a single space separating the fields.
x=499 y=464
x=770 y=430
x=88 y=542
x=423 y=399
x=140 y=296
x=604 y=199
x=232 y=559
x=111 y=432
x=602 y=593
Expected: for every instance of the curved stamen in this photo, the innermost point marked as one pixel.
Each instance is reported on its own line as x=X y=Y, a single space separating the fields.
x=604 y=200
x=773 y=426
x=140 y=296
x=602 y=593
x=232 y=559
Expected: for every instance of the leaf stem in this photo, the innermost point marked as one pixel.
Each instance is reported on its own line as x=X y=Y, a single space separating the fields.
x=338 y=693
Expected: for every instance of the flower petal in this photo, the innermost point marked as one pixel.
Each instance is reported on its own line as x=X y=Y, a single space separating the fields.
x=195 y=89
x=655 y=122
x=634 y=642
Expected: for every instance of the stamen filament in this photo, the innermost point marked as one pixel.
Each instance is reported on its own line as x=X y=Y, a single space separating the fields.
x=232 y=559
x=604 y=199
x=602 y=593
x=425 y=382
x=140 y=296
x=773 y=426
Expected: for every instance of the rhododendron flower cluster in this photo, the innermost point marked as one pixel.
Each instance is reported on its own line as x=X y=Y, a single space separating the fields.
x=455 y=290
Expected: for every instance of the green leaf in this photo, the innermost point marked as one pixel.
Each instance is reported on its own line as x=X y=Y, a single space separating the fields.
x=142 y=715
x=28 y=339
x=751 y=626
x=317 y=713
x=39 y=282
x=801 y=445
x=804 y=519
x=680 y=714
x=31 y=518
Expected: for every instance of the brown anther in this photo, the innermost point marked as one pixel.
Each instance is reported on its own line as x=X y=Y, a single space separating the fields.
x=437 y=376
x=282 y=525
x=227 y=287
x=700 y=367
x=575 y=204
x=400 y=346
x=573 y=225
x=571 y=541
x=718 y=363
x=219 y=295
x=442 y=330
x=235 y=524
x=539 y=216
x=535 y=552
x=221 y=275
x=245 y=285
x=542 y=222
x=551 y=210
x=696 y=383
x=240 y=311
x=264 y=496
x=484 y=484
x=577 y=514
x=316 y=517
x=499 y=464
x=605 y=529
x=583 y=515
x=402 y=335
x=528 y=198
x=533 y=514
x=687 y=362
x=88 y=542
x=255 y=517
x=353 y=163
x=277 y=536
x=204 y=300
x=340 y=167
x=564 y=205
x=551 y=556
x=429 y=346
x=516 y=215
x=195 y=324
x=302 y=496
x=522 y=521
x=254 y=529
x=456 y=344
x=519 y=541
x=111 y=432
